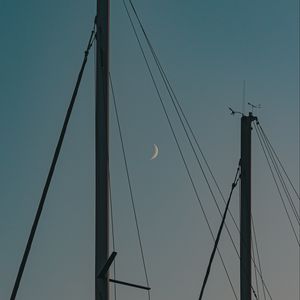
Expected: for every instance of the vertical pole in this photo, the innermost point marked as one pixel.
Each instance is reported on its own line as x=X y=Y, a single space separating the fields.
x=245 y=208
x=101 y=145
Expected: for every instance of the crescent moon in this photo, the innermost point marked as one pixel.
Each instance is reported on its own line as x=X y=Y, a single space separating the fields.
x=155 y=152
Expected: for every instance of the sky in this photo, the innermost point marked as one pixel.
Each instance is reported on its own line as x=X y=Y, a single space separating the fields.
x=208 y=48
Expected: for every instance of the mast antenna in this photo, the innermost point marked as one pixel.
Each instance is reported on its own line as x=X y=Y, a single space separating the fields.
x=254 y=106
x=233 y=112
x=244 y=96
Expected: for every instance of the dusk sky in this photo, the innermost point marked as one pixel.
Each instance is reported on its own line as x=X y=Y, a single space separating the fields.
x=208 y=48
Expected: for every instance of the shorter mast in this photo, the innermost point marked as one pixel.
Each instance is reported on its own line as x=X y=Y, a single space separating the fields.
x=245 y=208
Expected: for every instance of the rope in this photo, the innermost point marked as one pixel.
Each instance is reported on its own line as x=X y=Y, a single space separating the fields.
x=51 y=170
x=177 y=143
x=129 y=185
x=236 y=179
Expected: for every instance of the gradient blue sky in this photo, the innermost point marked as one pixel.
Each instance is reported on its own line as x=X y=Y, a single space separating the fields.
x=208 y=49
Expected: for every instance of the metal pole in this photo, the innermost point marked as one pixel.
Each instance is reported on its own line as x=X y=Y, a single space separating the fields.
x=101 y=141
x=245 y=208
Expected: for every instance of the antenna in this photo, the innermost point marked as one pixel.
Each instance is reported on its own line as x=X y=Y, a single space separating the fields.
x=254 y=106
x=233 y=112
x=244 y=96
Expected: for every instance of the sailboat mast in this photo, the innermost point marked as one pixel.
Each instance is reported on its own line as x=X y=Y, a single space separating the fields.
x=101 y=148
x=245 y=209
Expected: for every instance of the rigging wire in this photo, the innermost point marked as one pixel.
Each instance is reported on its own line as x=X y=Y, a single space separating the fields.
x=279 y=175
x=129 y=185
x=174 y=97
x=182 y=116
x=113 y=232
x=277 y=170
x=280 y=163
x=265 y=149
x=298 y=92
x=258 y=256
x=274 y=159
x=298 y=34
x=177 y=142
x=236 y=179
x=276 y=183
x=52 y=169
x=255 y=271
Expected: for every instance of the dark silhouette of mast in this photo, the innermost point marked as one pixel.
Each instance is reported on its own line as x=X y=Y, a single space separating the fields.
x=245 y=209
x=101 y=141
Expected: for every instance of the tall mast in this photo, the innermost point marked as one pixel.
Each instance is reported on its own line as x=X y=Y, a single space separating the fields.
x=101 y=144
x=245 y=209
